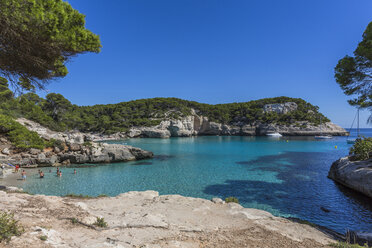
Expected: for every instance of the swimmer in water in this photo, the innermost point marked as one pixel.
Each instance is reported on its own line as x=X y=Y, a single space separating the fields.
x=24 y=175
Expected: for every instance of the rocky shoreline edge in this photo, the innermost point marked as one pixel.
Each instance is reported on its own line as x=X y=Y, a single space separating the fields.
x=356 y=175
x=69 y=148
x=78 y=148
x=147 y=219
x=74 y=153
x=190 y=126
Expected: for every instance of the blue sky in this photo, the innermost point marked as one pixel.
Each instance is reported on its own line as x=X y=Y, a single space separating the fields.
x=216 y=51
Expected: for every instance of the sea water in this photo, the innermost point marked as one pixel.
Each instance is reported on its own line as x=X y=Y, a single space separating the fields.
x=286 y=176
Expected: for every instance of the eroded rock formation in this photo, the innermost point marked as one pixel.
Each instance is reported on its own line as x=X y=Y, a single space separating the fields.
x=356 y=175
x=200 y=125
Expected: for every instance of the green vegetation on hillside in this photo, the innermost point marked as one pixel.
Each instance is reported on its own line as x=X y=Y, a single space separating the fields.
x=57 y=113
x=19 y=135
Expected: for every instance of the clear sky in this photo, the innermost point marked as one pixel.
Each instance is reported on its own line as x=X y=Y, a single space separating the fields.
x=215 y=51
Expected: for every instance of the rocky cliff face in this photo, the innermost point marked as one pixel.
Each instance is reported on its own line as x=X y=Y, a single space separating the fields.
x=75 y=147
x=280 y=108
x=200 y=125
x=67 y=137
x=356 y=175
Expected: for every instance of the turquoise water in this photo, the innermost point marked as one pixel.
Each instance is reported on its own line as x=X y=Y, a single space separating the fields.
x=285 y=176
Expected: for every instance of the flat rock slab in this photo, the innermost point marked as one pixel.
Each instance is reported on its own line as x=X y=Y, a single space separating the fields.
x=145 y=219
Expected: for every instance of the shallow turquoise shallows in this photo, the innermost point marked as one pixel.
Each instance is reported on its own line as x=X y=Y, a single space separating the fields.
x=286 y=176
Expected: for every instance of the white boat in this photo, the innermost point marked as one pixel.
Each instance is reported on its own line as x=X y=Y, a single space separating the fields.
x=323 y=137
x=350 y=141
x=274 y=135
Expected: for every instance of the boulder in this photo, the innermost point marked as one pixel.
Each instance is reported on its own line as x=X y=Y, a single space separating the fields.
x=5 y=151
x=356 y=175
x=155 y=133
x=34 y=151
x=139 y=153
x=133 y=132
x=41 y=156
x=74 y=147
x=66 y=162
x=218 y=200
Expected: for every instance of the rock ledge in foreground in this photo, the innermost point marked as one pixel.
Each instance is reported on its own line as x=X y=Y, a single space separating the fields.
x=147 y=219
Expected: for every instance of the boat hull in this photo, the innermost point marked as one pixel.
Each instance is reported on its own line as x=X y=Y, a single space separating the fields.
x=323 y=137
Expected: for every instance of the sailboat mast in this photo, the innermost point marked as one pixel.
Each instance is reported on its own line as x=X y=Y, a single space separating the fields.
x=358 y=124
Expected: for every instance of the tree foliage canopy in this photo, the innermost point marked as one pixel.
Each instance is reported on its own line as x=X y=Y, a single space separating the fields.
x=38 y=37
x=354 y=73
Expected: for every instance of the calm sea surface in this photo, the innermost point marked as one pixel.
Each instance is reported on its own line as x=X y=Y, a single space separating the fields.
x=286 y=176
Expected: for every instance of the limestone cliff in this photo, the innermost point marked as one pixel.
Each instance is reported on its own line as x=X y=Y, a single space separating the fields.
x=74 y=147
x=195 y=125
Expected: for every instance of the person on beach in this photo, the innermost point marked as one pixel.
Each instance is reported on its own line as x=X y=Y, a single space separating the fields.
x=23 y=175
x=16 y=168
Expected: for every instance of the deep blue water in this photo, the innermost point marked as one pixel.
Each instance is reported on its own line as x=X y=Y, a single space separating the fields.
x=285 y=176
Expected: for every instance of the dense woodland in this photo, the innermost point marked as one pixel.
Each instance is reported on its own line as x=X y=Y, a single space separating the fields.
x=57 y=113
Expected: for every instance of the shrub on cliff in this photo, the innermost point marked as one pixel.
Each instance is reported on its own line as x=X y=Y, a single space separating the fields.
x=9 y=227
x=19 y=135
x=361 y=149
x=100 y=222
x=231 y=199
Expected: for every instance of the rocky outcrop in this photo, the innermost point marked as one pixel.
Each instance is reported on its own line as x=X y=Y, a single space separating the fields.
x=302 y=129
x=280 y=108
x=74 y=148
x=195 y=125
x=77 y=154
x=145 y=219
x=200 y=125
x=356 y=175
x=67 y=137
